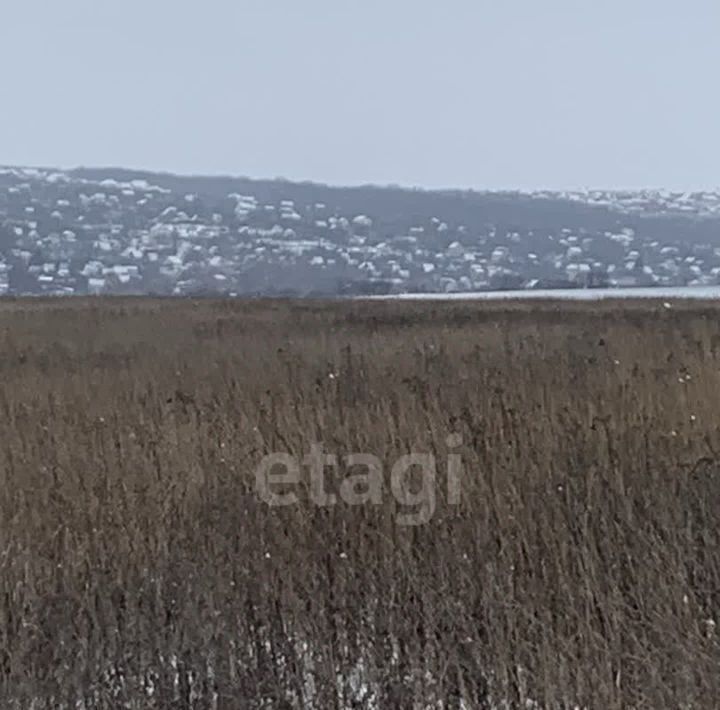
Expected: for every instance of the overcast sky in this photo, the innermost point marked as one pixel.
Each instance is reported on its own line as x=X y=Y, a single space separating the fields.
x=477 y=93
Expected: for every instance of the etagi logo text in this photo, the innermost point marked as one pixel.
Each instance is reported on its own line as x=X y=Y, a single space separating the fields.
x=413 y=480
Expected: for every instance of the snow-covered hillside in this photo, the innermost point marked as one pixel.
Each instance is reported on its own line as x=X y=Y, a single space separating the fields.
x=114 y=231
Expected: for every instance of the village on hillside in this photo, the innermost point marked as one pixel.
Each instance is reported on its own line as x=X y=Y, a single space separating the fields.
x=63 y=233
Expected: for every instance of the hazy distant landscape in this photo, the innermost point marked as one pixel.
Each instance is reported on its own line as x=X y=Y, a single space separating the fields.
x=113 y=231
x=360 y=355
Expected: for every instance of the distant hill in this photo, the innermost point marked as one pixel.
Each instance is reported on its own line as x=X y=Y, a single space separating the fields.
x=112 y=230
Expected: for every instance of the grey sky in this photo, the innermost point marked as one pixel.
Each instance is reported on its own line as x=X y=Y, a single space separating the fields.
x=480 y=93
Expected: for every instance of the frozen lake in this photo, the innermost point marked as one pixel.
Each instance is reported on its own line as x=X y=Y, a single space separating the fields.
x=574 y=294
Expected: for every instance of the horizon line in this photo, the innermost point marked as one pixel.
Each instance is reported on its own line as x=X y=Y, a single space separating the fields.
x=359 y=185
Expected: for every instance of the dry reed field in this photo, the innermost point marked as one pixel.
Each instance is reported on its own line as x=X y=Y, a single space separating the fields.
x=139 y=568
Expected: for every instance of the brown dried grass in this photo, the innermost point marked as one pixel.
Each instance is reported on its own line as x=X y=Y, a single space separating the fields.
x=138 y=568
